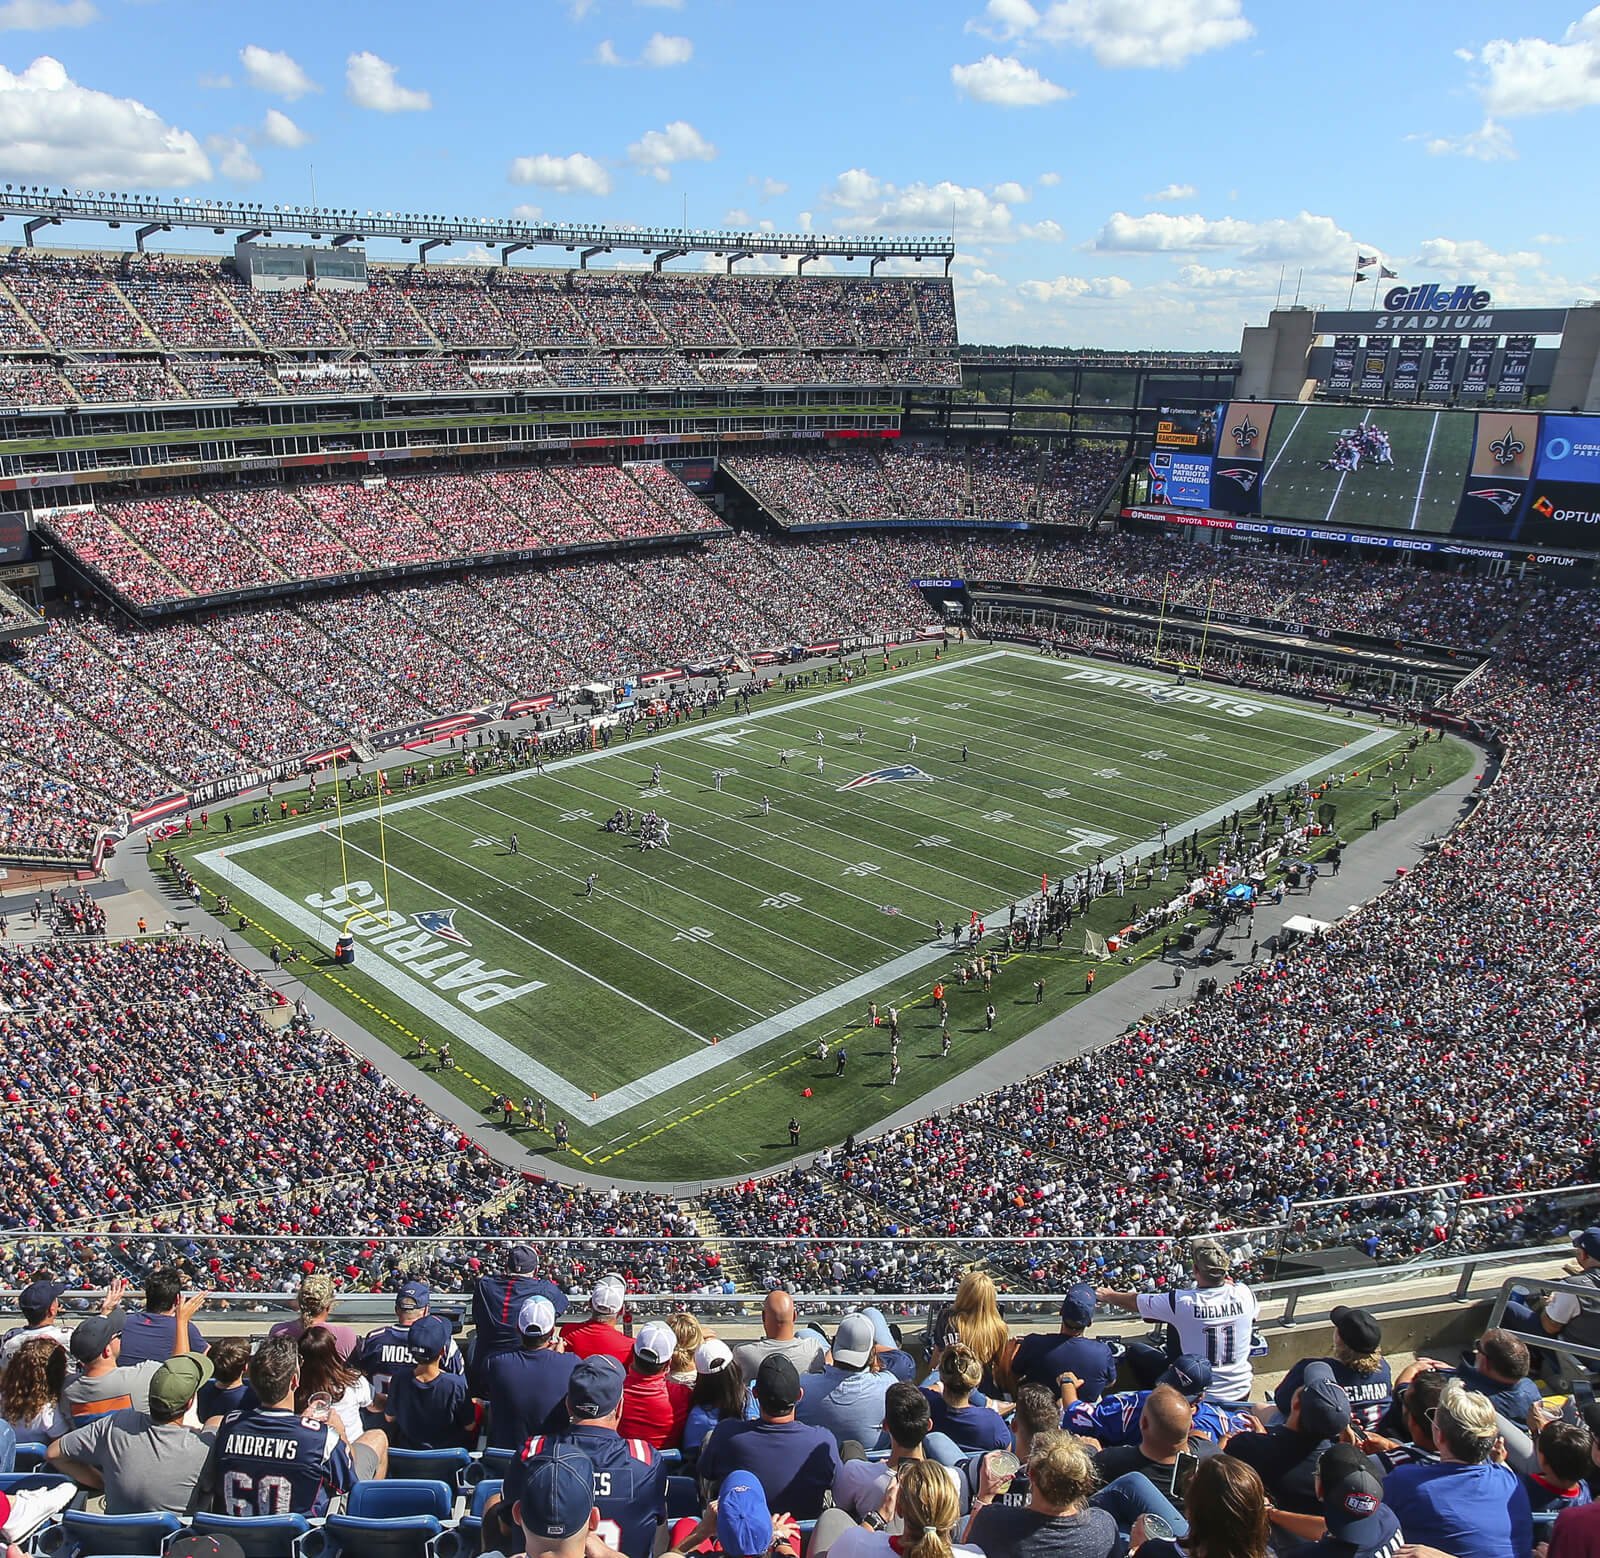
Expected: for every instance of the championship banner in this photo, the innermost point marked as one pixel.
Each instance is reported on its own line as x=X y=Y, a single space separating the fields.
x=1513 y=381
x=1237 y=469
x=1442 y=366
x=1503 y=446
x=1374 y=364
x=1342 y=374
x=1408 y=367
x=1475 y=376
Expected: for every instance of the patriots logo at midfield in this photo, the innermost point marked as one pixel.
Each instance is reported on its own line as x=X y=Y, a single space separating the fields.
x=1245 y=477
x=900 y=773
x=1244 y=434
x=1503 y=498
x=441 y=923
x=1507 y=447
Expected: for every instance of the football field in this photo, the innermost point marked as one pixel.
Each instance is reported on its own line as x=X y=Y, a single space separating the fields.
x=668 y=1010
x=1420 y=490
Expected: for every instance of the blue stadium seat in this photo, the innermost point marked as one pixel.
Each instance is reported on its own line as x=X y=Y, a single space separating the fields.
x=260 y=1536
x=398 y=1498
x=447 y=1466
x=18 y=1481
x=127 y=1536
x=481 y=1495
x=401 y=1536
x=493 y=1461
x=683 y=1498
x=30 y=1456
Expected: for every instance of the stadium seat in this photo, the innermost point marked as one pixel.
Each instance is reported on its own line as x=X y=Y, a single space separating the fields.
x=481 y=1495
x=469 y=1528
x=30 y=1456
x=447 y=1466
x=683 y=1498
x=400 y=1536
x=259 y=1536
x=19 y=1481
x=82 y=1535
x=397 y=1498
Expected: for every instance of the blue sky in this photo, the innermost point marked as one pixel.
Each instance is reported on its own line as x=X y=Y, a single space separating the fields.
x=1120 y=173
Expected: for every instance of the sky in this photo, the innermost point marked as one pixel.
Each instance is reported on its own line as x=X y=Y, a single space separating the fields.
x=1118 y=173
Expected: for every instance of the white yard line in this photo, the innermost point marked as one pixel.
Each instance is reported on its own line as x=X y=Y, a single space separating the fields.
x=1283 y=448
x=1422 y=480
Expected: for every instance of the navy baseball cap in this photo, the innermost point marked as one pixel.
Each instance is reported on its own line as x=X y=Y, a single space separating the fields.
x=95 y=1334
x=1189 y=1373
x=1077 y=1308
x=744 y=1523
x=557 y=1492
x=428 y=1337
x=1588 y=1241
x=1352 y=1498
x=521 y=1259
x=35 y=1300
x=413 y=1295
x=1324 y=1405
x=595 y=1388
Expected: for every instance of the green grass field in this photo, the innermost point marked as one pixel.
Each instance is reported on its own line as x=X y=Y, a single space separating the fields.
x=1420 y=491
x=670 y=1018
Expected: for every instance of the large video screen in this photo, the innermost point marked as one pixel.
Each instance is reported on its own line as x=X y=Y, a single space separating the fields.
x=1387 y=467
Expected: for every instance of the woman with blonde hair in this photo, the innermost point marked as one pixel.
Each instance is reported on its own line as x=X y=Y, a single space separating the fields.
x=973 y=1319
x=687 y=1330
x=923 y=1497
x=1058 y=1516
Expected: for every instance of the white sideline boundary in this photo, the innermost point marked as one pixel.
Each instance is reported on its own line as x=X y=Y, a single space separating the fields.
x=573 y=1100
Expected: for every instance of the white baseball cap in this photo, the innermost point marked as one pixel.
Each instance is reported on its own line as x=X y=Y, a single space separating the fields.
x=610 y=1293
x=655 y=1343
x=712 y=1355
x=537 y=1317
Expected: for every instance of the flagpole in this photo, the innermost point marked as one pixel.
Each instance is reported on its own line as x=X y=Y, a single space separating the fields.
x=1355 y=276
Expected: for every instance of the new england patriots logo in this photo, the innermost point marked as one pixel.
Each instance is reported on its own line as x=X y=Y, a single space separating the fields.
x=441 y=923
x=1507 y=447
x=1245 y=477
x=1503 y=498
x=1245 y=433
x=900 y=773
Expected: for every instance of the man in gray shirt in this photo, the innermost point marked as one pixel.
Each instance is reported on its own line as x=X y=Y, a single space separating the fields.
x=145 y=1460
x=806 y=1353
x=847 y=1398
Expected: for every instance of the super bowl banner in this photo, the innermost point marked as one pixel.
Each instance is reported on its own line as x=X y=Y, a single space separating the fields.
x=1503 y=448
x=1237 y=468
x=1442 y=366
x=1512 y=383
x=1342 y=373
x=1475 y=376
x=1374 y=365
x=1408 y=367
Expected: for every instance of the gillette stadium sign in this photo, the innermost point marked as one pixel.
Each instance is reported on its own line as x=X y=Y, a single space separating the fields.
x=1434 y=305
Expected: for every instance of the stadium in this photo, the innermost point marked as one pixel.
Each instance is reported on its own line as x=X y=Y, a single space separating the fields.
x=637 y=774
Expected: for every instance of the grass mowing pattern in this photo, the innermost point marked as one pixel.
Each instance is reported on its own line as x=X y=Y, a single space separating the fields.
x=766 y=932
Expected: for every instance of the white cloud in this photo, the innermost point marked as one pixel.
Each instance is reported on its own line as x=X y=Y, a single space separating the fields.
x=1122 y=36
x=1065 y=287
x=527 y=213
x=1471 y=257
x=1173 y=192
x=737 y=217
x=281 y=130
x=656 y=151
x=1011 y=192
x=1536 y=76
x=576 y=174
x=1490 y=142
x=53 y=128
x=661 y=5
x=212 y=81
x=1303 y=237
x=271 y=70
x=233 y=158
x=607 y=54
x=369 y=82
x=1049 y=180
x=771 y=188
x=1046 y=231
x=860 y=201
x=1005 y=82
x=45 y=15
x=664 y=50
x=1464 y=54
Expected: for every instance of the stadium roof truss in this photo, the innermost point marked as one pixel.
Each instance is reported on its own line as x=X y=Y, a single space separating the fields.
x=40 y=207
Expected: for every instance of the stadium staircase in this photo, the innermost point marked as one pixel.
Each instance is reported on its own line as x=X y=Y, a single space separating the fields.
x=733 y=1265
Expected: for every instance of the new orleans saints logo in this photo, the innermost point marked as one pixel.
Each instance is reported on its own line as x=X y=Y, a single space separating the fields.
x=1507 y=447
x=1245 y=433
